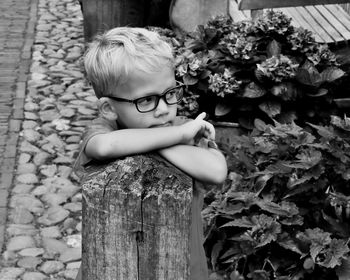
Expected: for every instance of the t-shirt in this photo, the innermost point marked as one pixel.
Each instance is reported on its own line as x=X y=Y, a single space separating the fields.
x=198 y=261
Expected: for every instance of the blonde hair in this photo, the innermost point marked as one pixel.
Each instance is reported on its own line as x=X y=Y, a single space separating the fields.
x=112 y=56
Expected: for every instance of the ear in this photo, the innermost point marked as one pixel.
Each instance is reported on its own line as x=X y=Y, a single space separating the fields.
x=106 y=109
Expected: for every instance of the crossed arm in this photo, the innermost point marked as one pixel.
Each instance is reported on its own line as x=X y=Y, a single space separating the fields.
x=175 y=144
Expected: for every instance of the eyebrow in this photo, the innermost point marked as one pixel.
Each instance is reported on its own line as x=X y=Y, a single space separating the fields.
x=153 y=93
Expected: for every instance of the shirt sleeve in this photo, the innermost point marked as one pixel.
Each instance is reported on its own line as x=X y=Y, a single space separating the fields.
x=98 y=126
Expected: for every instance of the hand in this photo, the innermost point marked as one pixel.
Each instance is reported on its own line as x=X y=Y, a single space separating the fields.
x=196 y=129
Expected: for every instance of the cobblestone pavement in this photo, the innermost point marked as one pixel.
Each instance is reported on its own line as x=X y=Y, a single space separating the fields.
x=17 y=21
x=45 y=104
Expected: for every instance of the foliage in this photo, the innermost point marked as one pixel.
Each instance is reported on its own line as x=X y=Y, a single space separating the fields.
x=284 y=211
x=267 y=69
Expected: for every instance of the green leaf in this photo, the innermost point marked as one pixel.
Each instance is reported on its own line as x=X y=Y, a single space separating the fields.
x=271 y=108
x=287 y=117
x=331 y=74
x=273 y=48
x=222 y=109
x=320 y=92
x=253 y=90
x=308 y=75
x=343 y=271
x=343 y=124
x=189 y=80
x=326 y=132
x=286 y=242
x=334 y=253
x=259 y=124
x=284 y=210
x=261 y=182
x=216 y=252
x=259 y=275
x=286 y=91
x=244 y=222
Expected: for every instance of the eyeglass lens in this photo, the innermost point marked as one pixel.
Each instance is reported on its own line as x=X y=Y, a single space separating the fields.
x=149 y=103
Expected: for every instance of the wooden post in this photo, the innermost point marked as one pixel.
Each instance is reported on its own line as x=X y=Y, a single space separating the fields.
x=101 y=15
x=136 y=220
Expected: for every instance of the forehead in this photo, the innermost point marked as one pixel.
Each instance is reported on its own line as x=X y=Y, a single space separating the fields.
x=140 y=83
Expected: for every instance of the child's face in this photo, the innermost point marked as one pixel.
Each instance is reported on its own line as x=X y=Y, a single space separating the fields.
x=141 y=84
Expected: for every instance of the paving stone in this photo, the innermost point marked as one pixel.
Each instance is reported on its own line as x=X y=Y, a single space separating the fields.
x=31 y=252
x=27 y=201
x=20 y=242
x=28 y=178
x=51 y=232
x=54 y=246
x=19 y=229
x=34 y=276
x=22 y=189
x=21 y=215
x=54 y=96
x=29 y=262
x=11 y=273
x=50 y=267
x=53 y=215
x=71 y=254
x=26 y=168
x=24 y=158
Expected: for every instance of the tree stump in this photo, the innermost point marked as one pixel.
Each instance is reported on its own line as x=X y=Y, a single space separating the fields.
x=136 y=220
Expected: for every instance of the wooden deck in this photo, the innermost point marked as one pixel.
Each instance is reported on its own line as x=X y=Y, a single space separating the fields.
x=329 y=23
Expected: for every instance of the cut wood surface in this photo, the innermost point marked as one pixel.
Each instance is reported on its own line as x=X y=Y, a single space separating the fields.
x=136 y=220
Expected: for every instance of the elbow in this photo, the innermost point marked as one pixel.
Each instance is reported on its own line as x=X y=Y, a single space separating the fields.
x=218 y=174
x=96 y=150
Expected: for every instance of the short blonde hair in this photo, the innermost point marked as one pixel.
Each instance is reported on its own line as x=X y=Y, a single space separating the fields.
x=112 y=56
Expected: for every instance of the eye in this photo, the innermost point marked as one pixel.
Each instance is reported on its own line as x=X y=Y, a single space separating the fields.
x=144 y=101
x=171 y=93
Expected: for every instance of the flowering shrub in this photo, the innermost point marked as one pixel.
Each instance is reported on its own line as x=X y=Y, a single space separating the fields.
x=284 y=212
x=265 y=69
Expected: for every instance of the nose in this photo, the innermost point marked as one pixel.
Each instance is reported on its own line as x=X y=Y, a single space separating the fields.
x=162 y=108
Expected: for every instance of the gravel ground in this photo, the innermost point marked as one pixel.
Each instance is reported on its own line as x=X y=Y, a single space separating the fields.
x=43 y=231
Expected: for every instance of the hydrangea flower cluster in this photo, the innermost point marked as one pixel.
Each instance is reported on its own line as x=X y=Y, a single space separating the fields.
x=224 y=83
x=277 y=68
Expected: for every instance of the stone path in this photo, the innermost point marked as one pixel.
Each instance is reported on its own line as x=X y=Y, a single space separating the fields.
x=43 y=112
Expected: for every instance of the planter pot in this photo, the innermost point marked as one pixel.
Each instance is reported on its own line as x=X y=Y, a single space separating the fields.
x=225 y=132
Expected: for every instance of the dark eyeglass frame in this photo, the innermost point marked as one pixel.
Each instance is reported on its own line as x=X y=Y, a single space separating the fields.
x=158 y=97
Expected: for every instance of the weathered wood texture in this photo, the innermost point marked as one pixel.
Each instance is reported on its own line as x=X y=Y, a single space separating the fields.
x=329 y=22
x=265 y=4
x=101 y=15
x=136 y=220
x=346 y=7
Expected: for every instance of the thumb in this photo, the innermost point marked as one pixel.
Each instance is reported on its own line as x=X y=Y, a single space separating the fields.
x=201 y=116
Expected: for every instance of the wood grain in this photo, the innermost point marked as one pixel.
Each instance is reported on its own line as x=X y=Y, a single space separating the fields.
x=136 y=220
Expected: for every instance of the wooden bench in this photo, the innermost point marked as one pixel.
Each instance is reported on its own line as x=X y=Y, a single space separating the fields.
x=329 y=22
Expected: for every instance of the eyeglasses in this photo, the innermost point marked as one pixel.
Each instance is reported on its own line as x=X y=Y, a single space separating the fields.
x=148 y=103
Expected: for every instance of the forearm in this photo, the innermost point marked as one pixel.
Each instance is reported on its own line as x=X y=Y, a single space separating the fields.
x=127 y=142
x=206 y=165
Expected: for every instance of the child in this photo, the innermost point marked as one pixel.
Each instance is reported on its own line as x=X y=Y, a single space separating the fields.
x=132 y=73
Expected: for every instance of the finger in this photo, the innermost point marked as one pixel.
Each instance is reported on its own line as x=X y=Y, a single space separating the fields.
x=210 y=130
x=201 y=116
